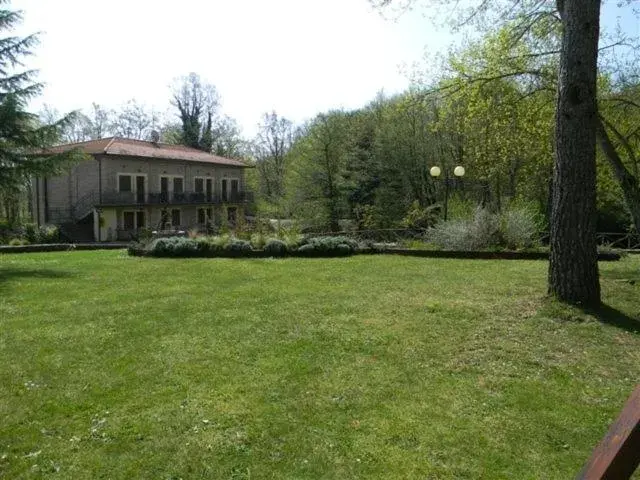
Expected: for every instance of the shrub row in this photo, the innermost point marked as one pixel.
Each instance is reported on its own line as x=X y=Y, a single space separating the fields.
x=29 y=233
x=192 y=247
x=328 y=247
x=225 y=246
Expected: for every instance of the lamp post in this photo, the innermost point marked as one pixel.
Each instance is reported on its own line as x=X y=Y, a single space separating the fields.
x=435 y=173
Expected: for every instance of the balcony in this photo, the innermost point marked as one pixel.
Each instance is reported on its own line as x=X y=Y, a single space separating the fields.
x=170 y=198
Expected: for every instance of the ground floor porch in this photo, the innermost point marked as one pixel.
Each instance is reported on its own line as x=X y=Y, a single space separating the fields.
x=127 y=223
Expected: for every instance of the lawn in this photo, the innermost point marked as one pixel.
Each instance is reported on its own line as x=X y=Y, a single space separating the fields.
x=365 y=367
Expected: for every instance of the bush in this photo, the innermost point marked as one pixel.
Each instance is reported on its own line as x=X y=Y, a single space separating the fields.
x=238 y=247
x=450 y=235
x=43 y=234
x=31 y=232
x=516 y=228
x=174 y=247
x=307 y=249
x=275 y=247
x=49 y=234
x=5 y=231
x=205 y=245
x=291 y=237
x=192 y=247
x=219 y=242
x=520 y=228
x=18 y=242
x=258 y=240
x=420 y=218
x=145 y=234
x=328 y=246
x=136 y=249
x=482 y=232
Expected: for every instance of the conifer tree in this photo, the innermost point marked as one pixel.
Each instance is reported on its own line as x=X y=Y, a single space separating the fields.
x=23 y=138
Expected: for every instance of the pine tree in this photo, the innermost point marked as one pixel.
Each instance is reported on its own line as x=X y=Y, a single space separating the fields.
x=23 y=139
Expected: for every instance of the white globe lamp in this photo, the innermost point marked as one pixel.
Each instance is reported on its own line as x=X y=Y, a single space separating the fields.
x=458 y=171
x=435 y=171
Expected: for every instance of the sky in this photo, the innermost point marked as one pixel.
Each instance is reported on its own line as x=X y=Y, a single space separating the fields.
x=297 y=57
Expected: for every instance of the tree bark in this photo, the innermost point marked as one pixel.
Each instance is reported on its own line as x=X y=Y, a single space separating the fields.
x=628 y=183
x=573 y=267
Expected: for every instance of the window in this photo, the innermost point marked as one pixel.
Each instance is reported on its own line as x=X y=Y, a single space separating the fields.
x=128 y=220
x=204 y=188
x=124 y=183
x=140 y=188
x=175 y=217
x=133 y=187
x=133 y=220
x=140 y=220
x=230 y=189
x=205 y=216
x=164 y=218
x=178 y=185
x=209 y=189
x=171 y=188
x=225 y=194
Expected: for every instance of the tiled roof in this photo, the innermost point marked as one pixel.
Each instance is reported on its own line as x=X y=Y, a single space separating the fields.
x=140 y=148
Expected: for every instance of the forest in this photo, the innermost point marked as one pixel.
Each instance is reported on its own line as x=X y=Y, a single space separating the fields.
x=489 y=109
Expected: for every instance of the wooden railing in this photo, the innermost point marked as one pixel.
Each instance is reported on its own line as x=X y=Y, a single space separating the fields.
x=618 y=454
x=626 y=241
x=113 y=198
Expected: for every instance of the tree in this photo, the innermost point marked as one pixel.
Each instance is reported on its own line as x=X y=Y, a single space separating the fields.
x=573 y=271
x=23 y=137
x=619 y=140
x=319 y=165
x=197 y=103
x=100 y=122
x=496 y=104
x=96 y=124
x=134 y=120
x=273 y=142
x=573 y=266
x=226 y=139
x=405 y=148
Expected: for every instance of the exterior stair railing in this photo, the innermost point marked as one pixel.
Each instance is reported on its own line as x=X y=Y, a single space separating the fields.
x=84 y=206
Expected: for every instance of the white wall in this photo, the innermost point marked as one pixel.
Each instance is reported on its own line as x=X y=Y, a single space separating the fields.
x=109 y=229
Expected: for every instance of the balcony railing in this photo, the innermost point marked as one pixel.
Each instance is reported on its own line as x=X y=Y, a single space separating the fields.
x=172 y=198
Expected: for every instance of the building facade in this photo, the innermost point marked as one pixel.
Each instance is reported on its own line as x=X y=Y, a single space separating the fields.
x=127 y=185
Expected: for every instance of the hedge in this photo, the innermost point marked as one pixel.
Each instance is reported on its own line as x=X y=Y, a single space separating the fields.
x=315 y=247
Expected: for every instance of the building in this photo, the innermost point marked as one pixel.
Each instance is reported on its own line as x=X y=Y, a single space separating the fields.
x=128 y=185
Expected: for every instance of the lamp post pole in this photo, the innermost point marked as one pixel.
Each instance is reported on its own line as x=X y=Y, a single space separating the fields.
x=435 y=172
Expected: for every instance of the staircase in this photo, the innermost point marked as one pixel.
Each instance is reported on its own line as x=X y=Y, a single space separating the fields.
x=76 y=224
x=84 y=206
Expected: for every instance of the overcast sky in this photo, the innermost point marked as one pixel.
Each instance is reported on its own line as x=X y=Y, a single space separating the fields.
x=297 y=57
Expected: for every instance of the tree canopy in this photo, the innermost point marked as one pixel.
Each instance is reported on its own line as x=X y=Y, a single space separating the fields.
x=23 y=137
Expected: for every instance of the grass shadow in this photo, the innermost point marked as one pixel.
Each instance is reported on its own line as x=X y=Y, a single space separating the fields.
x=617 y=318
x=8 y=275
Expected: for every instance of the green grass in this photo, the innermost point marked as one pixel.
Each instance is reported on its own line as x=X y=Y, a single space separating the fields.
x=364 y=367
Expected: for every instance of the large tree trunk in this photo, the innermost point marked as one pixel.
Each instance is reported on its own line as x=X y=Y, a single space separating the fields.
x=628 y=183
x=573 y=267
